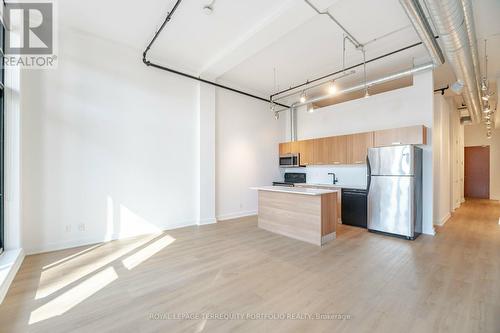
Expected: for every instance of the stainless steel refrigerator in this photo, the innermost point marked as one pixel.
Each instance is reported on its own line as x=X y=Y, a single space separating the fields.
x=395 y=190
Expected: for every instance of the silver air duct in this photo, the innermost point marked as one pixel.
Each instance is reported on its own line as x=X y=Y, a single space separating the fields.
x=422 y=27
x=455 y=27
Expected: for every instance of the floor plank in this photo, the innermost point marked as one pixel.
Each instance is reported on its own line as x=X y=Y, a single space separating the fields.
x=446 y=283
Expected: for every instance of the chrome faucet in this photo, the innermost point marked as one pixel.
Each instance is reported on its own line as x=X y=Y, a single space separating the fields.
x=335 y=180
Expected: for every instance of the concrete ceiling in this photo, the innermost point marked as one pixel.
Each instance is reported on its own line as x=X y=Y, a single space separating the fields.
x=243 y=43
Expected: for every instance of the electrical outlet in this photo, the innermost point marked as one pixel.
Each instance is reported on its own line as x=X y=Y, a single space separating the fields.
x=81 y=227
x=68 y=228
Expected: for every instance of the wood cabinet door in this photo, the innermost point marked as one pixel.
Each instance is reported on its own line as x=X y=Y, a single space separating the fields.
x=306 y=150
x=285 y=148
x=321 y=151
x=415 y=135
x=337 y=149
x=330 y=151
x=357 y=147
x=289 y=148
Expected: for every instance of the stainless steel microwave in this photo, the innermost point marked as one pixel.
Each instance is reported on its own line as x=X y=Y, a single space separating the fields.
x=290 y=161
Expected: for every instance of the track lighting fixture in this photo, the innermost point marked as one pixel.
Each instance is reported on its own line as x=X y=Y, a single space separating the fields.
x=303 y=97
x=484 y=86
x=333 y=88
x=486 y=97
x=276 y=115
x=310 y=108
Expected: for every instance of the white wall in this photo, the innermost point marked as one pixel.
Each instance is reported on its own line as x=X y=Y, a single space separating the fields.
x=448 y=160
x=106 y=142
x=398 y=108
x=247 y=152
x=476 y=136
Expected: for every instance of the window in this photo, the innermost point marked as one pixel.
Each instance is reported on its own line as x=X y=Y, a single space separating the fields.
x=2 y=130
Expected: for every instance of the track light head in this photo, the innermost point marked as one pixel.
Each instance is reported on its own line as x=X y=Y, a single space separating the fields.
x=333 y=88
x=303 y=97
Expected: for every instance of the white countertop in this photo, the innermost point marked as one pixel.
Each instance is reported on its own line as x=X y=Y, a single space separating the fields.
x=294 y=190
x=357 y=187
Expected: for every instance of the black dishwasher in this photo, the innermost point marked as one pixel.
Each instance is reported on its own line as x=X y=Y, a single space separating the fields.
x=354 y=207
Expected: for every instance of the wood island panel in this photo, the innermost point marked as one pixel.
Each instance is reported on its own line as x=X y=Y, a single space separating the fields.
x=304 y=217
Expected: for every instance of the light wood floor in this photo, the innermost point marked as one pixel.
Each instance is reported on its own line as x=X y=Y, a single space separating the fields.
x=447 y=283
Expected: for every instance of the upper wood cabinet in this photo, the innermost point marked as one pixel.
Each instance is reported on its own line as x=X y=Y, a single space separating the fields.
x=321 y=151
x=306 y=150
x=285 y=148
x=289 y=148
x=357 y=147
x=330 y=151
x=337 y=149
x=414 y=135
x=351 y=149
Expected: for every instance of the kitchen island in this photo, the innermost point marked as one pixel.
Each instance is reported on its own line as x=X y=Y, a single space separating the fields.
x=306 y=214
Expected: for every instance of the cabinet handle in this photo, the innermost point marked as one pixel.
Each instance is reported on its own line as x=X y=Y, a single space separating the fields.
x=336 y=162
x=359 y=162
x=396 y=143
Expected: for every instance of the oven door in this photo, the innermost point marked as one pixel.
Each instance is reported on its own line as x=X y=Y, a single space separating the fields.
x=289 y=161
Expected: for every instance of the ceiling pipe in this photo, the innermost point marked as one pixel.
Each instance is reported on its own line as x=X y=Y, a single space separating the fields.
x=359 y=87
x=351 y=38
x=148 y=63
x=422 y=27
x=454 y=25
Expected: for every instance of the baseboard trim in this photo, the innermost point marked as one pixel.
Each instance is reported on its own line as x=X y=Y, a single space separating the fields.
x=69 y=244
x=10 y=262
x=443 y=220
x=430 y=232
x=237 y=215
x=207 y=221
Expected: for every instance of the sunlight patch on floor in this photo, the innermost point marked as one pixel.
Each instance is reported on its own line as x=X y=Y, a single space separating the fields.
x=144 y=254
x=68 y=258
x=58 y=277
x=74 y=296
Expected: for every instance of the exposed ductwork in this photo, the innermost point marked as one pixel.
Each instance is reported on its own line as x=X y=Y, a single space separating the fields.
x=422 y=27
x=455 y=27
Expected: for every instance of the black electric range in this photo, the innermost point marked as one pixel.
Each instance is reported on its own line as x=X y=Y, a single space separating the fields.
x=291 y=179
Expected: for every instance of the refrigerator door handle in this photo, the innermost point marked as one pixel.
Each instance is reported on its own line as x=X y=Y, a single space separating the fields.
x=369 y=174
